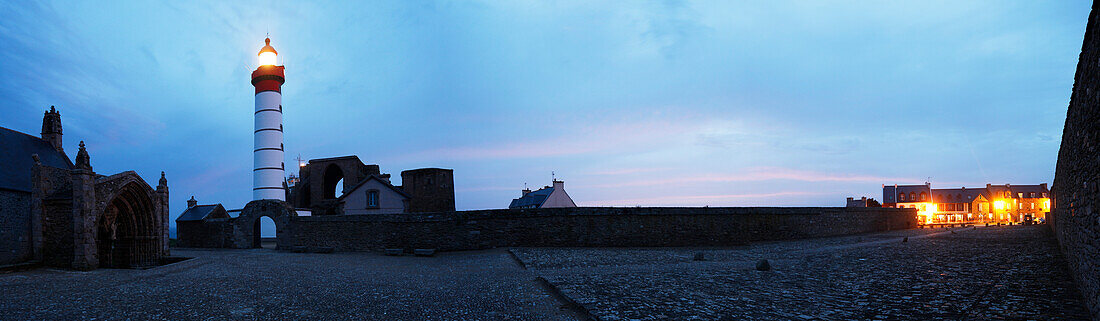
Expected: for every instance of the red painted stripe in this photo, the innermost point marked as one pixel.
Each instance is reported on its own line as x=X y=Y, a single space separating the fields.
x=270 y=84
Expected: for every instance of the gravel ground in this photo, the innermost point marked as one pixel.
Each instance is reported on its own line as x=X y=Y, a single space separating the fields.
x=265 y=284
x=1012 y=273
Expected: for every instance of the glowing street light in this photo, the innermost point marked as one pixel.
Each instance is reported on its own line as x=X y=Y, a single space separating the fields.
x=1000 y=205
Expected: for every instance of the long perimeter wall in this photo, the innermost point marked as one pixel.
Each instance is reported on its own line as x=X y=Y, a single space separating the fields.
x=588 y=226
x=1076 y=187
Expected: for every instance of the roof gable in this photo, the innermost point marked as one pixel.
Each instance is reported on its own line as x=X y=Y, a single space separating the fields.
x=369 y=178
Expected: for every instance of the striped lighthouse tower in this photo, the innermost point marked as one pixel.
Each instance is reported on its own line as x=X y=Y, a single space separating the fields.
x=267 y=157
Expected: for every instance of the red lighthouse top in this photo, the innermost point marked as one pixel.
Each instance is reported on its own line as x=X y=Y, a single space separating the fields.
x=268 y=76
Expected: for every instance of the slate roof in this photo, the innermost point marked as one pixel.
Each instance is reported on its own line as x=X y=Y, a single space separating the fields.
x=16 y=164
x=535 y=198
x=890 y=192
x=957 y=195
x=198 y=213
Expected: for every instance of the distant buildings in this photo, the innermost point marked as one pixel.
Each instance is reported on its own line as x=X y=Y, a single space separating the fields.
x=992 y=204
x=862 y=202
x=344 y=185
x=546 y=197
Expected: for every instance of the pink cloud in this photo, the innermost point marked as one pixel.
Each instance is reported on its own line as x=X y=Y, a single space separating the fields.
x=761 y=174
x=696 y=200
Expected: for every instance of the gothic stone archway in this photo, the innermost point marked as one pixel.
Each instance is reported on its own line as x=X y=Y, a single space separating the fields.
x=245 y=231
x=128 y=224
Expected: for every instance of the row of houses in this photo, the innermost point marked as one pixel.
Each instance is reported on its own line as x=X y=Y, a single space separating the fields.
x=991 y=204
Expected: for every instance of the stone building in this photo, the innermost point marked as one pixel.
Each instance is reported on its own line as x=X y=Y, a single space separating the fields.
x=64 y=214
x=863 y=201
x=993 y=204
x=546 y=197
x=322 y=183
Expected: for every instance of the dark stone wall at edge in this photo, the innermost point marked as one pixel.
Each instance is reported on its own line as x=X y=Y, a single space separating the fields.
x=1076 y=187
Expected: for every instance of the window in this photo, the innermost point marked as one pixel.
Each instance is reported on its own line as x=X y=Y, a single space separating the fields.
x=1044 y=195
x=372 y=198
x=1032 y=205
x=923 y=196
x=901 y=197
x=1021 y=205
x=1021 y=194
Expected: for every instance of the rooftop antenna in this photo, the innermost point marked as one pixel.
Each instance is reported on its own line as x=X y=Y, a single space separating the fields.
x=552 y=177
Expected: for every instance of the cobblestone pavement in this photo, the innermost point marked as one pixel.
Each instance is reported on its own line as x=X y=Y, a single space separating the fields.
x=988 y=273
x=265 y=284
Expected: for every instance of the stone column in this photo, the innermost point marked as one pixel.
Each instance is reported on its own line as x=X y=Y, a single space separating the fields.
x=162 y=214
x=85 y=252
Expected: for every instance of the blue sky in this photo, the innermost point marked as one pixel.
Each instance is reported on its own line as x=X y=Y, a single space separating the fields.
x=652 y=103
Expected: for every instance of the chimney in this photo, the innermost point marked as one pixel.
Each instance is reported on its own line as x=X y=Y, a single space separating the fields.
x=525 y=191
x=559 y=184
x=1044 y=186
x=51 y=128
x=192 y=202
x=850 y=198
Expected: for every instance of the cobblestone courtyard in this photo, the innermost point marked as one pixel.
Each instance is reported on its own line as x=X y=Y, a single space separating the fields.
x=984 y=273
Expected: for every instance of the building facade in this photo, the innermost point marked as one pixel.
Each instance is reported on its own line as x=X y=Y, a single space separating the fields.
x=62 y=213
x=992 y=204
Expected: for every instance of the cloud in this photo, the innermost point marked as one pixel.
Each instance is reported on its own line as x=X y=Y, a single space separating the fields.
x=760 y=174
x=698 y=200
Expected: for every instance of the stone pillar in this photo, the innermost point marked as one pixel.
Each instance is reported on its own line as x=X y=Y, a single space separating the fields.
x=37 y=194
x=162 y=214
x=85 y=252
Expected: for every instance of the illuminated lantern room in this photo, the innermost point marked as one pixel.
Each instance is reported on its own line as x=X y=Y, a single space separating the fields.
x=268 y=54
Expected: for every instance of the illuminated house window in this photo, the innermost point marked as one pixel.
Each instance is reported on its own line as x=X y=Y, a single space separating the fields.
x=1032 y=205
x=1021 y=206
x=901 y=197
x=1021 y=194
x=923 y=196
x=1044 y=195
x=912 y=196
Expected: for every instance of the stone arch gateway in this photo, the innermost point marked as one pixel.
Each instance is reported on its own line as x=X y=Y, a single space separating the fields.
x=245 y=233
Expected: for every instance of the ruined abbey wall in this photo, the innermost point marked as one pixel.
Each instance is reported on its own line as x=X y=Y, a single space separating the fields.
x=589 y=227
x=1076 y=188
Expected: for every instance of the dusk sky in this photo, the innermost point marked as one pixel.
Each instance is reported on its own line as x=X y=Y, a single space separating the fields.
x=673 y=103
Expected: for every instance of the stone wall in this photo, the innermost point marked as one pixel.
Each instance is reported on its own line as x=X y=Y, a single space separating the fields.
x=588 y=227
x=1076 y=188
x=15 y=227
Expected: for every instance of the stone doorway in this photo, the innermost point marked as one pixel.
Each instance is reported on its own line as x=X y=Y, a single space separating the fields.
x=126 y=236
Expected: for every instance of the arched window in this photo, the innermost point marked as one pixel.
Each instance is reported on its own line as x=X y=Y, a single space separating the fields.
x=923 y=196
x=901 y=197
x=333 y=182
x=912 y=196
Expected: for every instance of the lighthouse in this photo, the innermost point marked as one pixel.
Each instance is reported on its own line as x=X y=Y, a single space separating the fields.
x=267 y=157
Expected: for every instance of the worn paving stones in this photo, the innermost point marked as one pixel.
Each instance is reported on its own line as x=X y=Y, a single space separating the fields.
x=988 y=273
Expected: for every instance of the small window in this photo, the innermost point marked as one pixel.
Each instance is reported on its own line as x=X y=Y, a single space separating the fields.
x=1021 y=194
x=901 y=197
x=372 y=198
x=1044 y=195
